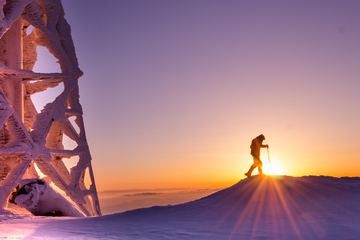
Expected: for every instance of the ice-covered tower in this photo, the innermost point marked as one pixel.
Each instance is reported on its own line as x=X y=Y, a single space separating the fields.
x=31 y=143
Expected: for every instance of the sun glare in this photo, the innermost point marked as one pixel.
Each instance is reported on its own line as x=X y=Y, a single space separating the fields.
x=272 y=169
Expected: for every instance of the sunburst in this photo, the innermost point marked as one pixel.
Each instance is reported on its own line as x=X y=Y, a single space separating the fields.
x=272 y=169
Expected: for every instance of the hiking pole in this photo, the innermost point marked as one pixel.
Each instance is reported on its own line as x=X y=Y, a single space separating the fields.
x=268 y=154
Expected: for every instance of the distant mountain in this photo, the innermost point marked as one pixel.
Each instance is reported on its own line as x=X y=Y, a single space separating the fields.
x=125 y=200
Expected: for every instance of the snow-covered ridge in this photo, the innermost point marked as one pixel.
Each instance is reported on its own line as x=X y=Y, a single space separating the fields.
x=282 y=207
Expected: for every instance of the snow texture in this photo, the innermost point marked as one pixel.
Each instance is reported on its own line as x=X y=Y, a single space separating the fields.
x=29 y=138
x=40 y=199
x=279 y=207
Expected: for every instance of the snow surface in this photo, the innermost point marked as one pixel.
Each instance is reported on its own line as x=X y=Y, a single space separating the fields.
x=282 y=207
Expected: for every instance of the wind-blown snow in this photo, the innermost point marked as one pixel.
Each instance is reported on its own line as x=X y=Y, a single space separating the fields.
x=262 y=208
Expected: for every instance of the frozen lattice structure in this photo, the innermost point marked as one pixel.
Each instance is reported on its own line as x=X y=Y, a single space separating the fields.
x=29 y=138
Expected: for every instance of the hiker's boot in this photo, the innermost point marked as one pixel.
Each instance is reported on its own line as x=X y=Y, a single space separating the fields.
x=248 y=174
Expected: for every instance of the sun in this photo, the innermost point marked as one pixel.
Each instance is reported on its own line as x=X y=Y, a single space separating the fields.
x=272 y=169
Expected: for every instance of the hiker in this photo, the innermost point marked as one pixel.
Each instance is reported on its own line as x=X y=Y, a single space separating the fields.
x=255 y=147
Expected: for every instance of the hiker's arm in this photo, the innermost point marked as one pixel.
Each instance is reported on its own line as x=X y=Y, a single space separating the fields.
x=265 y=146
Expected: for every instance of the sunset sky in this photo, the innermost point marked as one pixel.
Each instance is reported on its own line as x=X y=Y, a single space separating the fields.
x=173 y=92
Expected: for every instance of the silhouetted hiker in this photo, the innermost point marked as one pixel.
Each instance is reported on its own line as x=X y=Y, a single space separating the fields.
x=255 y=147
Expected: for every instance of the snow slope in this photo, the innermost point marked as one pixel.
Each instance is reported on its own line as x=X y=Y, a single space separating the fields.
x=261 y=208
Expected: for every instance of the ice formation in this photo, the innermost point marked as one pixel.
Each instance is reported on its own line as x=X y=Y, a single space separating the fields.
x=29 y=138
x=40 y=199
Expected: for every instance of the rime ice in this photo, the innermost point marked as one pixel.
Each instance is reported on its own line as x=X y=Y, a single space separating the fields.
x=41 y=200
x=26 y=136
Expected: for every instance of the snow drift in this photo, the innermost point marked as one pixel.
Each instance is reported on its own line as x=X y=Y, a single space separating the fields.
x=39 y=198
x=263 y=208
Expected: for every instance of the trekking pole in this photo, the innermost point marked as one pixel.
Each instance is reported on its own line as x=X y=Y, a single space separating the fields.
x=268 y=154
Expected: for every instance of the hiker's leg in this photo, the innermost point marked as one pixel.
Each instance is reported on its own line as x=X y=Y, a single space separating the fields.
x=250 y=170
x=252 y=166
x=258 y=164
x=260 y=168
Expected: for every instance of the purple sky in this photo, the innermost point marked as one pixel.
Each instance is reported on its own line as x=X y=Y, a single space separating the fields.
x=174 y=91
